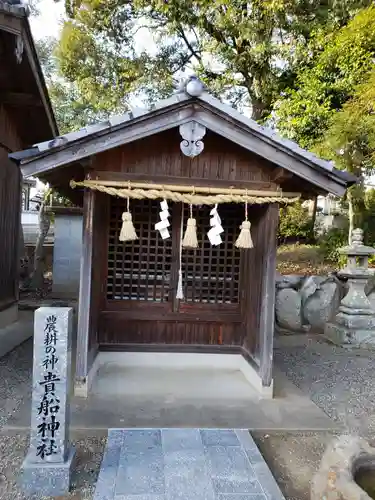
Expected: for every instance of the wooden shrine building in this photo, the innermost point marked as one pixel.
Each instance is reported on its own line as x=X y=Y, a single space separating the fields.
x=26 y=117
x=153 y=294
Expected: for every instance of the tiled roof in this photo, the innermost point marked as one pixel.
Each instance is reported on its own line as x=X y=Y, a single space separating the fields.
x=17 y=8
x=182 y=96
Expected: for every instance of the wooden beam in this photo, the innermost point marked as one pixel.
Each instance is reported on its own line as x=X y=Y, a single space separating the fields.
x=20 y=99
x=10 y=22
x=84 y=312
x=269 y=225
x=30 y=51
x=280 y=175
x=185 y=181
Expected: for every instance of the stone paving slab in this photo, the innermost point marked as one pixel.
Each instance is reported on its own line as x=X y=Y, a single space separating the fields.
x=184 y=464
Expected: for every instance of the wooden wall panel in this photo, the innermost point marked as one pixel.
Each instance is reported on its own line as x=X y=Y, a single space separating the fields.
x=117 y=329
x=252 y=281
x=267 y=313
x=10 y=206
x=257 y=270
x=99 y=258
x=159 y=156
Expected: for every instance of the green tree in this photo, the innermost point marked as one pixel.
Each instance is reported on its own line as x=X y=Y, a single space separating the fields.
x=351 y=134
x=295 y=223
x=330 y=108
x=248 y=52
x=369 y=222
x=350 y=142
x=73 y=109
x=330 y=79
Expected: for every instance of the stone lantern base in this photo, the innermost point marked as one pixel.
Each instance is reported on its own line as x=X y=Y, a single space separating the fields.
x=351 y=330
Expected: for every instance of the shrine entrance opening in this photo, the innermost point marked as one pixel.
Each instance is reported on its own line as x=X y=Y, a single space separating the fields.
x=142 y=276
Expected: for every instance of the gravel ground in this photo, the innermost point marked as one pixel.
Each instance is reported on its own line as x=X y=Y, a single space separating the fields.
x=342 y=383
x=339 y=381
x=89 y=452
x=293 y=459
x=15 y=376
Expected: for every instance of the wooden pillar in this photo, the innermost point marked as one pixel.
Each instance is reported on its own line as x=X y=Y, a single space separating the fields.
x=83 y=329
x=269 y=224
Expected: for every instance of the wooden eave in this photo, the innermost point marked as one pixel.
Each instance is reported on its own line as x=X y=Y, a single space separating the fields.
x=205 y=113
x=15 y=22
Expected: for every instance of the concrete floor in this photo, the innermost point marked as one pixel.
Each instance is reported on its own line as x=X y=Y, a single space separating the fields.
x=170 y=397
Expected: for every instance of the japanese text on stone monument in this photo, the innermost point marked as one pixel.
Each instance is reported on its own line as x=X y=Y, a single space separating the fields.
x=49 y=407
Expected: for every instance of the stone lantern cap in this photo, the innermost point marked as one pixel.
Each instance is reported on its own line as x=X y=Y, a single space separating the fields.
x=357 y=248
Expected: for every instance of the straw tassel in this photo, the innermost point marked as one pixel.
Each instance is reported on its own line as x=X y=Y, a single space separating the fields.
x=244 y=239
x=127 y=232
x=190 y=239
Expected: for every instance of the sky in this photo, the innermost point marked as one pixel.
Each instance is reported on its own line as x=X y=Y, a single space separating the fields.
x=48 y=23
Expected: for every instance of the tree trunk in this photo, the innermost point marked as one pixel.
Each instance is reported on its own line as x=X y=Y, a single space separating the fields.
x=37 y=276
x=351 y=216
x=257 y=109
x=357 y=207
x=313 y=218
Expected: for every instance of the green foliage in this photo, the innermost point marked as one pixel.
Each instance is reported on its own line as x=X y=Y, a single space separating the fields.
x=332 y=110
x=334 y=238
x=350 y=142
x=350 y=138
x=73 y=108
x=295 y=223
x=329 y=80
x=331 y=241
x=369 y=218
x=248 y=52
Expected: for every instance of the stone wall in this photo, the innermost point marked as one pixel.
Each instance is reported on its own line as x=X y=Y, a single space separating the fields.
x=305 y=303
x=67 y=253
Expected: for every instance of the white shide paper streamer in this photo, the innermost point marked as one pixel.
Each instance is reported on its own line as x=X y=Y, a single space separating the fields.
x=164 y=223
x=216 y=228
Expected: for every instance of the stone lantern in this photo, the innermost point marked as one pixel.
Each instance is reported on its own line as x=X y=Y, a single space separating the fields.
x=354 y=324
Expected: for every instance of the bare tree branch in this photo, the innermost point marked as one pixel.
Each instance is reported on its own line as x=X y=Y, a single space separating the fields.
x=195 y=53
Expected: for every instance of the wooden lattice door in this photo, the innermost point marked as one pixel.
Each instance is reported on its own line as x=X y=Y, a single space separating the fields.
x=146 y=271
x=139 y=270
x=211 y=273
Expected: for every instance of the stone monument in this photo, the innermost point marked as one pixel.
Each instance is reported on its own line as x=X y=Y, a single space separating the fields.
x=354 y=324
x=47 y=467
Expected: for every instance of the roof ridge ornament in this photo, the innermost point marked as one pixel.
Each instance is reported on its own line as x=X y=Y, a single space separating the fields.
x=190 y=85
x=194 y=87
